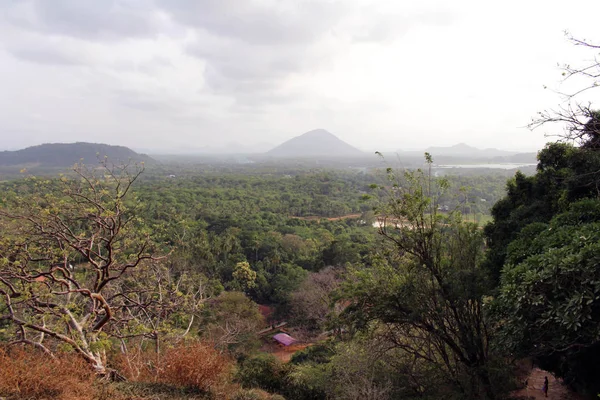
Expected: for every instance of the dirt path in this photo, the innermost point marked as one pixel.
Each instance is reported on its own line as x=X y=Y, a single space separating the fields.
x=317 y=218
x=556 y=389
x=284 y=354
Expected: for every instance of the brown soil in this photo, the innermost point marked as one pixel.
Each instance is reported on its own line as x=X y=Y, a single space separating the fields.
x=556 y=389
x=283 y=353
x=317 y=218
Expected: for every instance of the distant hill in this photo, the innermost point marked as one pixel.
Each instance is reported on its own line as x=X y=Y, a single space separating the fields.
x=317 y=143
x=66 y=154
x=464 y=150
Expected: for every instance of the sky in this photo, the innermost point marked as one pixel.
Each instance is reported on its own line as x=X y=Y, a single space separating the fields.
x=173 y=76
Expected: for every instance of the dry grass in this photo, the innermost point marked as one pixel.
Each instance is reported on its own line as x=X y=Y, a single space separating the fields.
x=28 y=374
x=193 y=365
x=193 y=371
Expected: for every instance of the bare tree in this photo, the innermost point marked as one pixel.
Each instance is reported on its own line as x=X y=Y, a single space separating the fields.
x=581 y=122
x=66 y=245
x=313 y=301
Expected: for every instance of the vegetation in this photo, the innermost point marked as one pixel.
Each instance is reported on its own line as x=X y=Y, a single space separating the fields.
x=118 y=284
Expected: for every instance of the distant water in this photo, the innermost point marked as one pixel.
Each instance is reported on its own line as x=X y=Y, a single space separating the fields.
x=491 y=166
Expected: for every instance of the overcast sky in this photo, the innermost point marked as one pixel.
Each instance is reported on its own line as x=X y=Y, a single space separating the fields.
x=178 y=75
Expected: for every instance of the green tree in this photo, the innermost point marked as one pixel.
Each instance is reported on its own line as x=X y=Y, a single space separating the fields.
x=426 y=296
x=549 y=301
x=244 y=275
x=564 y=174
x=231 y=321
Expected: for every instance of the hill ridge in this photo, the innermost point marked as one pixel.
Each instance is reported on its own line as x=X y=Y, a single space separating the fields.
x=67 y=154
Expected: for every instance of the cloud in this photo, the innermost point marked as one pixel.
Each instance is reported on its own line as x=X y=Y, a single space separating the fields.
x=250 y=49
x=86 y=19
x=242 y=71
x=46 y=55
x=258 y=22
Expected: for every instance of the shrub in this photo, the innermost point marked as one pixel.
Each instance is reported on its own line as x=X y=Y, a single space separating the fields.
x=263 y=371
x=30 y=374
x=193 y=365
x=251 y=394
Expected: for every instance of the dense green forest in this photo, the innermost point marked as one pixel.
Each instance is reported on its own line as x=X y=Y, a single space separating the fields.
x=121 y=282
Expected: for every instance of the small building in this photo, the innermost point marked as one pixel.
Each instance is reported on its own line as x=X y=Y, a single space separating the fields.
x=284 y=339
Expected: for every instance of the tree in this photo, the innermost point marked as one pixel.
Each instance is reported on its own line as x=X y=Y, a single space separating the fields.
x=66 y=245
x=244 y=275
x=565 y=174
x=580 y=120
x=313 y=301
x=162 y=304
x=426 y=295
x=549 y=301
x=231 y=321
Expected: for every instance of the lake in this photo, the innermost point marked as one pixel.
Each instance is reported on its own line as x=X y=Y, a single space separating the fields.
x=491 y=166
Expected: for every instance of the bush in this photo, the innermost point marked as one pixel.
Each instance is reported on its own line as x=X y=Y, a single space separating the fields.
x=263 y=371
x=252 y=394
x=193 y=365
x=30 y=374
x=196 y=365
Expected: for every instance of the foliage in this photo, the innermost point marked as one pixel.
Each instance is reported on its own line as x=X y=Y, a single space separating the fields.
x=86 y=222
x=231 y=321
x=280 y=237
x=565 y=174
x=266 y=372
x=426 y=296
x=550 y=293
x=244 y=276
x=263 y=371
x=543 y=243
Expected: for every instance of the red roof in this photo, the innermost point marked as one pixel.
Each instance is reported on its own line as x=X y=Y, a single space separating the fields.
x=284 y=339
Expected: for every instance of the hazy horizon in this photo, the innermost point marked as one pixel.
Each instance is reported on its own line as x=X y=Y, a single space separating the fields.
x=177 y=76
x=258 y=148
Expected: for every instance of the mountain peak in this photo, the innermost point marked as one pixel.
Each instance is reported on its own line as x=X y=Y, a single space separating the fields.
x=315 y=143
x=317 y=133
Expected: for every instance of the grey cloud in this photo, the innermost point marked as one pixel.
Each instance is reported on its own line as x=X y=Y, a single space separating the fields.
x=139 y=101
x=258 y=22
x=46 y=55
x=235 y=67
x=250 y=47
x=91 y=19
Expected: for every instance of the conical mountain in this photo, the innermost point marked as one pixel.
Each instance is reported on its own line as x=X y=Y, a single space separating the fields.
x=316 y=143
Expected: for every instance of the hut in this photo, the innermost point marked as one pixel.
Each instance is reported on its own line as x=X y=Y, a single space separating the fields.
x=284 y=339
